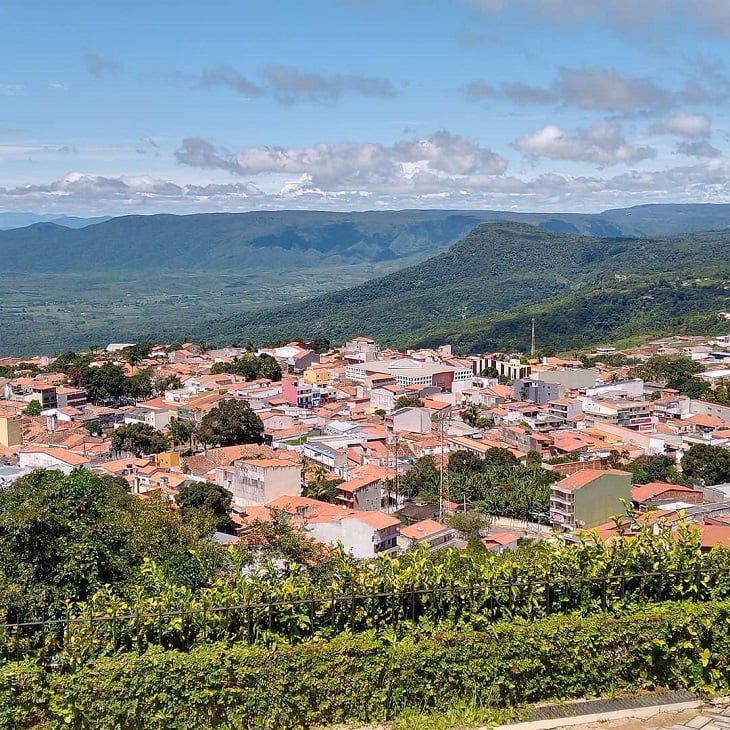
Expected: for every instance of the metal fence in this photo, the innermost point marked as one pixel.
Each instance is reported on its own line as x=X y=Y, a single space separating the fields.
x=297 y=620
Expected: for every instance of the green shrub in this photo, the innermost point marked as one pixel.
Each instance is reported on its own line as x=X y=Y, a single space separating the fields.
x=370 y=678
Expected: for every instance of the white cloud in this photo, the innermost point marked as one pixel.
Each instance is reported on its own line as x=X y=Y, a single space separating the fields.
x=354 y=165
x=685 y=125
x=11 y=90
x=290 y=85
x=601 y=88
x=601 y=143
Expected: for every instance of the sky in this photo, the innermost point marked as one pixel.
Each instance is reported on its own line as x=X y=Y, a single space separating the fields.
x=110 y=108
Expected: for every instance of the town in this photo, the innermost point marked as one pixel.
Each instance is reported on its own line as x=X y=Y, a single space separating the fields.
x=378 y=450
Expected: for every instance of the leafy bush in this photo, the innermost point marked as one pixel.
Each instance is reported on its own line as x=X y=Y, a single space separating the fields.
x=372 y=679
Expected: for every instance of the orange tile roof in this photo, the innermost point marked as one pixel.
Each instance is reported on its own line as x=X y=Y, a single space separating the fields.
x=499 y=538
x=377 y=519
x=69 y=457
x=643 y=492
x=423 y=530
x=581 y=478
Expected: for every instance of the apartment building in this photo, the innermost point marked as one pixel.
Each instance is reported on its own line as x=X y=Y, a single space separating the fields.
x=589 y=498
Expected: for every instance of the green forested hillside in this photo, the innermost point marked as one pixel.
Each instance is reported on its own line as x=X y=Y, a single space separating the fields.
x=165 y=277
x=592 y=289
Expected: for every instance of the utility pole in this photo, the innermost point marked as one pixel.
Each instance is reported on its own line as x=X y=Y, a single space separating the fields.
x=532 y=346
x=396 y=469
x=441 y=472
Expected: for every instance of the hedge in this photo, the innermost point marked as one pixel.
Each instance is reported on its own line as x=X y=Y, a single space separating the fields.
x=369 y=678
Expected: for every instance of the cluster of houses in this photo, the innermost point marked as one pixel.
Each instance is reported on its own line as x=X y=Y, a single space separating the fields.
x=337 y=415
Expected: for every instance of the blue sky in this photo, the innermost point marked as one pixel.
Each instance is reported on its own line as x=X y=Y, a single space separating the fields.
x=565 y=105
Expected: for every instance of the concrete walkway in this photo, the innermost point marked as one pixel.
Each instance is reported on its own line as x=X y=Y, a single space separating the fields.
x=687 y=714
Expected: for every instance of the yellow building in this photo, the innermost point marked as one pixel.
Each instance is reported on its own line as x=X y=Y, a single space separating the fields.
x=317 y=376
x=168 y=460
x=11 y=432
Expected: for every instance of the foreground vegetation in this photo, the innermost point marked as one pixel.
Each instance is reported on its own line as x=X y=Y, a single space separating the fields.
x=154 y=625
x=372 y=678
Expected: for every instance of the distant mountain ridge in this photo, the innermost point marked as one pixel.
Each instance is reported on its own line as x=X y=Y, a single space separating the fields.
x=9 y=221
x=498 y=268
x=293 y=239
x=154 y=277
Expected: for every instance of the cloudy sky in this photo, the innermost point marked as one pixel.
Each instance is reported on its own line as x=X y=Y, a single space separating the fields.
x=165 y=105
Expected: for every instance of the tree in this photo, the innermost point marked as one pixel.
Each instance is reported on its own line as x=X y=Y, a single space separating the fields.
x=470 y=415
x=321 y=485
x=105 y=382
x=269 y=368
x=278 y=538
x=468 y=524
x=499 y=457
x=677 y=371
x=706 y=465
x=211 y=499
x=422 y=478
x=180 y=431
x=139 y=438
x=465 y=462
x=60 y=540
x=170 y=382
x=134 y=354
x=33 y=408
x=408 y=401
x=250 y=366
x=185 y=549
x=320 y=345
x=231 y=422
x=94 y=428
x=658 y=468
x=139 y=385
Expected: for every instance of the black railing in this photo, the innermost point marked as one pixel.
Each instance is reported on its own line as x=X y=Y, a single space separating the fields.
x=295 y=620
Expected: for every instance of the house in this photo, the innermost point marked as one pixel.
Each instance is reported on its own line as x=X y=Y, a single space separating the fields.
x=500 y=542
x=589 y=498
x=633 y=414
x=363 y=492
x=509 y=368
x=51 y=458
x=427 y=531
x=300 y=393
x=363 y=534
x=157 y=418
x=644 y=496
x=415 y=420
x=68 y=397
x=407 y=371
x=260 y=480
x=10 y=429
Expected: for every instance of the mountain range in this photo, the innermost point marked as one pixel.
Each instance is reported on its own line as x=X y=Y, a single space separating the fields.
x=493 y=280
x=257 y=275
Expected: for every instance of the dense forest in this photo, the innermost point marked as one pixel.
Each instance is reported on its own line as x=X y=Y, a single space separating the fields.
x=169 y=277
x=482 y=293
